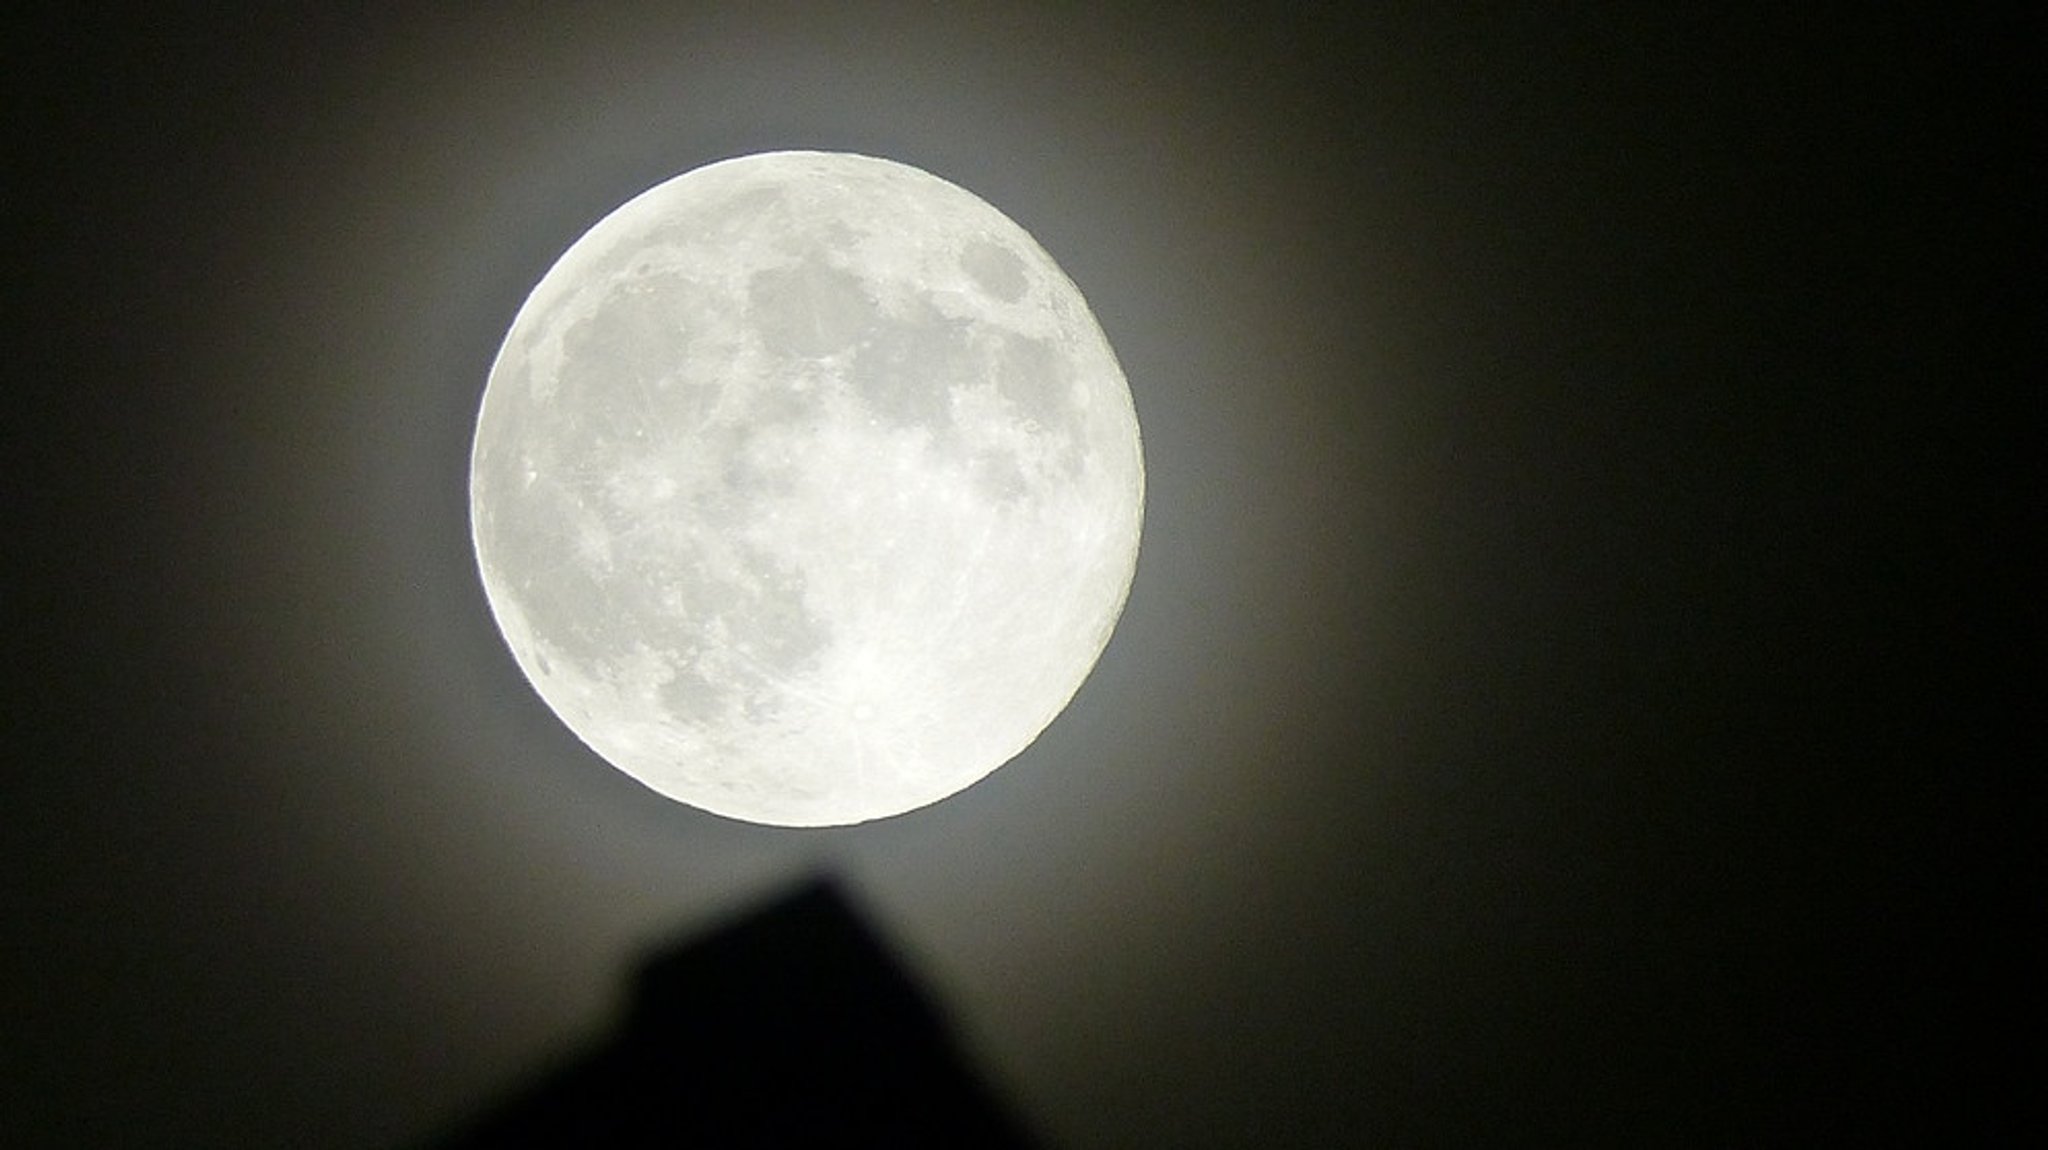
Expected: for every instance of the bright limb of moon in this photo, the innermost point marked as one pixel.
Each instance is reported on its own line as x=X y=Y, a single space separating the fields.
x=806 y=489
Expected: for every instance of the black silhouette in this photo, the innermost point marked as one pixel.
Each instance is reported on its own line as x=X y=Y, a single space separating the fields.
x=791 y=1027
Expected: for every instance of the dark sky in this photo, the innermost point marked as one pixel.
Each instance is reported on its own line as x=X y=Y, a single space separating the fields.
x=1552 y=707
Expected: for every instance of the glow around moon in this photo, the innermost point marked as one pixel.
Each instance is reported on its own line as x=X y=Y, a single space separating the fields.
x=806 y=489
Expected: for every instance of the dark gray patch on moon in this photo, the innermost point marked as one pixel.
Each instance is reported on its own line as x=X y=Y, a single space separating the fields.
x=555 y=599
x=998 y=477
x=628 y=346
x=786 y=403
x=908 y=368
x=808 y=309
x=747 y=478
x=1037 y=381
x=994 y=269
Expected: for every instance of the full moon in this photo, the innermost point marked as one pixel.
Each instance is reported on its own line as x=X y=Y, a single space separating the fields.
x=806 y=489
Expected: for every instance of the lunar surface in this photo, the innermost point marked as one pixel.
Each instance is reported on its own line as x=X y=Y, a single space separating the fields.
x=806 y=489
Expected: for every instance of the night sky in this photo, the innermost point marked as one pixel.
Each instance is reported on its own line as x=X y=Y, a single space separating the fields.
x=1553 y=706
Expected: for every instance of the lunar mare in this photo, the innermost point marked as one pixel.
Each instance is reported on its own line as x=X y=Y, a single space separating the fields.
x=806 y=489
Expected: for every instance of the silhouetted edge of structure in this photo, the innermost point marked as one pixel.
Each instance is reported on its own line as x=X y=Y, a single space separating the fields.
x=791 y=1026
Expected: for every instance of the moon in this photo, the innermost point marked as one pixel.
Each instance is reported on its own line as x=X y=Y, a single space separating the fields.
x=806 y=489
